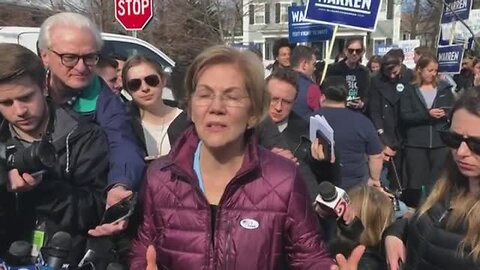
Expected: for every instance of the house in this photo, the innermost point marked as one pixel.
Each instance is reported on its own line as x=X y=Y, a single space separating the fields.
x=267 y=20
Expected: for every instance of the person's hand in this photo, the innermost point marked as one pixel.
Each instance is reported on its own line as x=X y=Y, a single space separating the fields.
x=352 y=262
x=24 y=182
x=378 y=186
x=114 y=196
x=437 y=113
x=316 y=149
x=388 y=153
x=395 y=251
x=285 y=153
x=151 y=257
x=356 y=104
x=476 y=80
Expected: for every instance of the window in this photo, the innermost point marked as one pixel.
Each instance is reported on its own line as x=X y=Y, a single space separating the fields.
x=129 y=49
x=260 y=14
x=251 y=14
x=284 y=13
x=277 y=13
x=267 y=13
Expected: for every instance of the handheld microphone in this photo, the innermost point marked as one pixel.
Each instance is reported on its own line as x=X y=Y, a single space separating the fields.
x=332 y=199
x=57 y=250
x=18 y=256
x=335 y=200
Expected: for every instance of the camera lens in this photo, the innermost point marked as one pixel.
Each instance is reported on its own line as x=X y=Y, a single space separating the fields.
x=39 y=156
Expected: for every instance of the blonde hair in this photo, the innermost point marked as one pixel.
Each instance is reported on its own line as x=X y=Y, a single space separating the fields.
x=246 y=62
x=374 y=209
x=465 y=208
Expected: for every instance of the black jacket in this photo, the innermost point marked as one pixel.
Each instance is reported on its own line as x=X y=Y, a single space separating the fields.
x=384 y=107
x=71 y=196
x=430 y=246
x=313 y=171
x=361 y=75
x=421 y=130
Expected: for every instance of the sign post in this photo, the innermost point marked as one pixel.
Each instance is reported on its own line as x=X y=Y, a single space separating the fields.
x=133 y=15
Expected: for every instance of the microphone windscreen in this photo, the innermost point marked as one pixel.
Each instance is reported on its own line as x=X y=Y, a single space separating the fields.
x=327 y=191
x=20 y=249
x=59 y=245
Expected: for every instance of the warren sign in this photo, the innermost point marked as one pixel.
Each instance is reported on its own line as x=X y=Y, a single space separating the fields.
x=300 y=30
x=360 y=14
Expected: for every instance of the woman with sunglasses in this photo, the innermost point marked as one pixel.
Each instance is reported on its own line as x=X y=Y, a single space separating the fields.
x=424 y=106
x=218 y=200
x=144 y=80
x=444 y=232
x=357 y=75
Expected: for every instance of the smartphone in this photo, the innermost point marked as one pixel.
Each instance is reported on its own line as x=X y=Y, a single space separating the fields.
x=327 y=146
x=120 y=211
x=447 y=109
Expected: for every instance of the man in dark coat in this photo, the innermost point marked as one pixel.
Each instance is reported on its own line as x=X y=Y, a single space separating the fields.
x=67 y=194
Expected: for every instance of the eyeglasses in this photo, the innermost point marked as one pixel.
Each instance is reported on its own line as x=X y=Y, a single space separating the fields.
x=357 y=51
x=134 y=84
x=275 y=101
x=454 y=140
x=70 y=60
x=205 y=98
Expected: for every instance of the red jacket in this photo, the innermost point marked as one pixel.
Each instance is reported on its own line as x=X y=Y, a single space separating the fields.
x=264 y=221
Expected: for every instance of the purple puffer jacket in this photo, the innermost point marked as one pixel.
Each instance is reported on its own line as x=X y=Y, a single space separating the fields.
x=264 y=221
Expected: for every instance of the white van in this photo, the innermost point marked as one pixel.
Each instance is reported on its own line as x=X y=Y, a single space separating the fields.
x=113 y=44
x=118 y=44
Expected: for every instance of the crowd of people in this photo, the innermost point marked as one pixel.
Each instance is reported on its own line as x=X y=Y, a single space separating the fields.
x=227 y=177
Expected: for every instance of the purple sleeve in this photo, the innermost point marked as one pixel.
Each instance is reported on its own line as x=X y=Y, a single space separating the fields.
x=304 y=245
x=146 y=233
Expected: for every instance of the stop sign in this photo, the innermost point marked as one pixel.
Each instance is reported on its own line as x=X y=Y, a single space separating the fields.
x=133 y=14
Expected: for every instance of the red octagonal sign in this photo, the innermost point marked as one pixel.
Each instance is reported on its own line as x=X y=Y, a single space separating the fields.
x=133 y=14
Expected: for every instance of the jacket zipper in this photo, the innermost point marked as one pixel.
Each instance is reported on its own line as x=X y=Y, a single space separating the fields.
x=423 y=245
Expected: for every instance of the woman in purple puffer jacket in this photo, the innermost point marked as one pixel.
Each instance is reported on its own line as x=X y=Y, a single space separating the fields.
x=218 y=200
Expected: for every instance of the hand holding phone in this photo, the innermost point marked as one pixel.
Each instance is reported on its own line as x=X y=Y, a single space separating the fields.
x=120 y=211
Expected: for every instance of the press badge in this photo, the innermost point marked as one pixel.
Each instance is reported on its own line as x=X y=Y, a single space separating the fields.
x=38 y=239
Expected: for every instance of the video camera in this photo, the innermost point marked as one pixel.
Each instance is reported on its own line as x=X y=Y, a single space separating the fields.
x=39 y=156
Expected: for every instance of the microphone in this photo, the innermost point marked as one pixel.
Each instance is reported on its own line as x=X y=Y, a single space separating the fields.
x=335 y=200
x=57 y=250
x=18 y=256
x=332 y=199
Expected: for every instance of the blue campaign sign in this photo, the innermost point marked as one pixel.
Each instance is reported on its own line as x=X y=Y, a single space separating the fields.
x=301 y=31
x=450 y=58
x=359 y=14
x=381 y=50
x=459 y=7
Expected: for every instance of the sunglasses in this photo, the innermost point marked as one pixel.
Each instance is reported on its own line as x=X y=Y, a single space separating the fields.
x=134 y=84
x=357 y=51
x=454 y=140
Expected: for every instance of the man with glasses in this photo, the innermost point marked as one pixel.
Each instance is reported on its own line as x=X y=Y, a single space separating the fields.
x=309 y=95
x=69 y=44
x=282 y=87
x=66 y=193
x=357 y=75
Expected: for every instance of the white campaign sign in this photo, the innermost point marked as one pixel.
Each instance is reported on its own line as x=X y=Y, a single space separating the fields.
x=408 y=47
x=461 y=32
